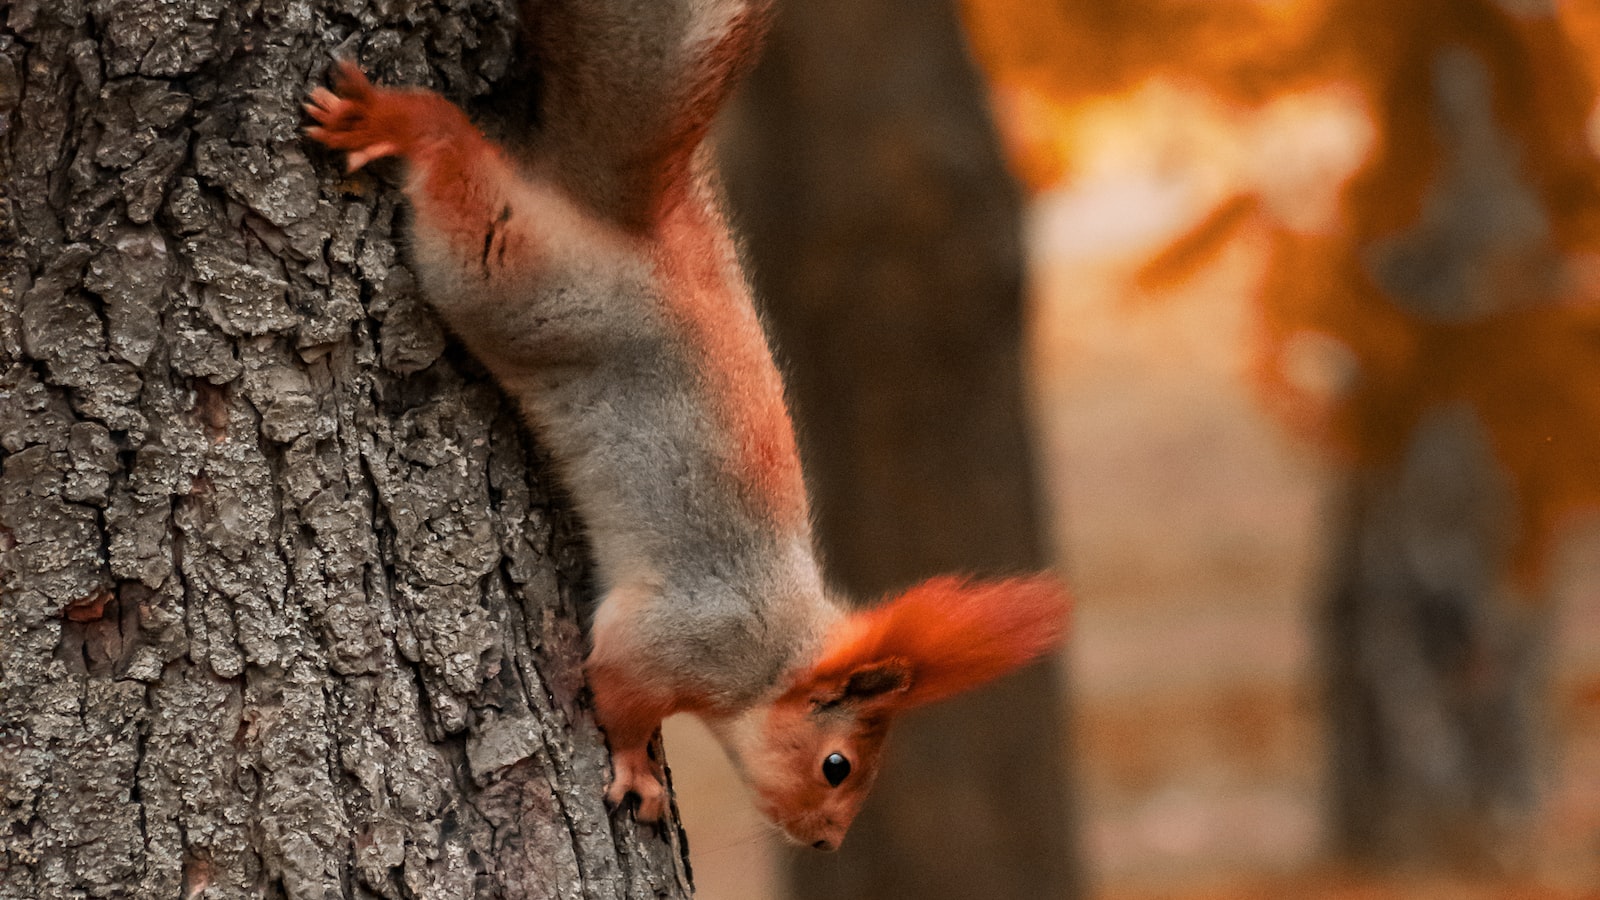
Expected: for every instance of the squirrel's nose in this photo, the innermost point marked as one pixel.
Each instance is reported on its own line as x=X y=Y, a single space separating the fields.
x=825 y=845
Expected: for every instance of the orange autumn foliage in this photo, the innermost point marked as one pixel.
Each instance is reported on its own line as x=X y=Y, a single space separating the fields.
x=1513 y=330
x=1045 y=59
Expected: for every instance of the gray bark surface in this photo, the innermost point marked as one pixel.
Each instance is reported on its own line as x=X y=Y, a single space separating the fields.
x=287 y=606
x=885 y=238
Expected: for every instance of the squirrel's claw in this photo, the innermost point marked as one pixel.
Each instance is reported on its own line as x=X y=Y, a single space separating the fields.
x=350 y=80
x=359 y=158
x=634 y=773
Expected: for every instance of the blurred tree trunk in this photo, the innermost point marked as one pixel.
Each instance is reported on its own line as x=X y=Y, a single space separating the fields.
x=1433 y=666
x=884 y=234
x=286 y=609
x=1433 y=650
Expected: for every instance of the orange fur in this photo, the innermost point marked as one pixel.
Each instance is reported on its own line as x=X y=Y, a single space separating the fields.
x=944 y=636
x=707 y=302
x=671 y=178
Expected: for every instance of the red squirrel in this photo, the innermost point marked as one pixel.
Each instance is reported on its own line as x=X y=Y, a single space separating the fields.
x=594 y=275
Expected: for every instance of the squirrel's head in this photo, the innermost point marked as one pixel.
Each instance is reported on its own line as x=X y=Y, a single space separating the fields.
x=813 y=752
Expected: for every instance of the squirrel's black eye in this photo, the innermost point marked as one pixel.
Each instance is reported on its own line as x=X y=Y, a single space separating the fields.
x=835 y=768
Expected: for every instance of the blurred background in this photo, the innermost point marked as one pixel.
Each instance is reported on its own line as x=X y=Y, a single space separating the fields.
x=1275 y=326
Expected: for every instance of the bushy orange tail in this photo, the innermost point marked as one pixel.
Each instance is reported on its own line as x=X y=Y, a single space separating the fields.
x=942 y=637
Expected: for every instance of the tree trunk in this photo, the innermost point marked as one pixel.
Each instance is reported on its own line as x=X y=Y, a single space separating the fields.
x=1433 y=649
x=884 y=234
x=1433 y=666
x=286 y=606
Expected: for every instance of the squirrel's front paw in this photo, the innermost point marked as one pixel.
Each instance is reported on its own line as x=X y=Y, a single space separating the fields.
x=370 y=122
x=634 y=773
x=352 y=119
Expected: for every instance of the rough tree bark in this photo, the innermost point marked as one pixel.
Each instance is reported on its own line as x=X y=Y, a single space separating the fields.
x=884 y=234
x=286 y=606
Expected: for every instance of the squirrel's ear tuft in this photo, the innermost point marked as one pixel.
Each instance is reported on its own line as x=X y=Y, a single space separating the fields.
x=873 y=683
x=939 y=638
